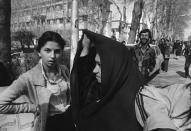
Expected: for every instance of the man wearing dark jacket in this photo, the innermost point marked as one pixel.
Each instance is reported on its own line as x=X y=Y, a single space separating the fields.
x=164 y=46
x=144 y=55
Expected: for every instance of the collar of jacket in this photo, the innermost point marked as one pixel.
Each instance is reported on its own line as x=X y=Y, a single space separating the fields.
x=37 y=75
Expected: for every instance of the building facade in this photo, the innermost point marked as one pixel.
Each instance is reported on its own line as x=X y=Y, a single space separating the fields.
x=41 y=15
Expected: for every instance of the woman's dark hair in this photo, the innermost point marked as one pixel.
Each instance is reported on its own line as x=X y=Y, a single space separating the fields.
x=145 y=31
x=50 y=36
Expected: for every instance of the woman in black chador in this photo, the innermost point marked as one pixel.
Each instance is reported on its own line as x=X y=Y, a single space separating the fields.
x=104 y=82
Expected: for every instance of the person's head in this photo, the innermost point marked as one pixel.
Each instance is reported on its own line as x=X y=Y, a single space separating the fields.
x=145 y=36
x=110 y=59
x=50 y=47
x=97 y=69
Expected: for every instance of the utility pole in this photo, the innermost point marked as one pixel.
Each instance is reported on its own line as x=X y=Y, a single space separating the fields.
x=75 y=35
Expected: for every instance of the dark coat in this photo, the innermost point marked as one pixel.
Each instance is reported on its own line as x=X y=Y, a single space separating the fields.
x=113 y=108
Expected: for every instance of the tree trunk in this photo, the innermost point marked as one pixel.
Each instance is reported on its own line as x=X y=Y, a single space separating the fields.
x=135 y=23
x=154 y=21
x=124 y=11
x=5 y=40
x=105 y=11
x=121 y=16
x=75 y=35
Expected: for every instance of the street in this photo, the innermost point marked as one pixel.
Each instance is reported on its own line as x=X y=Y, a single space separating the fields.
x=174 y=75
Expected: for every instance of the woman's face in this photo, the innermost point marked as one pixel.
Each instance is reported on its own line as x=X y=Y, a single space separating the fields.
x=50 y=54
x=86 y=41
x=97 y=69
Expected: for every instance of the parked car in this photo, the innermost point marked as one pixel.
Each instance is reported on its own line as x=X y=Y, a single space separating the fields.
x=159 y=57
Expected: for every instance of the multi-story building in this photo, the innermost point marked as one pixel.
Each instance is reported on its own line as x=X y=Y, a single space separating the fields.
x=41 y=15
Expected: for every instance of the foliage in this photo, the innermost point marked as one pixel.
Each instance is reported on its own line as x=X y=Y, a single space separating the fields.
x=168 y=18
x=96 y=13
x=24 y=37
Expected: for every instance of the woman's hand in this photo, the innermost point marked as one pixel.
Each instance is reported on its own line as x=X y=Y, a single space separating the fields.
x=85 y=45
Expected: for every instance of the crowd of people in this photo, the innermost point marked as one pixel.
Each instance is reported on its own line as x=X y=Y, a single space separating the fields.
x=106 y=90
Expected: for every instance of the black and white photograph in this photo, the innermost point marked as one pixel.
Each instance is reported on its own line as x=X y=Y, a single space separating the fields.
x=95 y=65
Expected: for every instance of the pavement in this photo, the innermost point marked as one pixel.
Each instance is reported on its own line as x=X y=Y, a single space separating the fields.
x=174 y=75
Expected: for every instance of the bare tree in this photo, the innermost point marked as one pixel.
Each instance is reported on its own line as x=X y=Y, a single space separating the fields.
x=180 y=16
x=150 y=15
x=135 y=23
x=167 y=18
x=96 y=13
x=120 y=13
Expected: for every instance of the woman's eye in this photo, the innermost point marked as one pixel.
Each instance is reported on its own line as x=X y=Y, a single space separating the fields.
x=47 y=50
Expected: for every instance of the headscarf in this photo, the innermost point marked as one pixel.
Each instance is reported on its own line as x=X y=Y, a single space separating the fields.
x=115 y=110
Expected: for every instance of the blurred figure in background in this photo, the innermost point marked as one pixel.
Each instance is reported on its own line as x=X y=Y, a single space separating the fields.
x=187 y=54
x=164 y=46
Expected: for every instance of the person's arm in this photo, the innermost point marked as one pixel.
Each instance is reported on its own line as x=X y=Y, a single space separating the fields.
x=10 y=94
x=152 y=110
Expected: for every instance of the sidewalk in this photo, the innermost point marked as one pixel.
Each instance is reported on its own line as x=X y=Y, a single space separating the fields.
x=174 y=75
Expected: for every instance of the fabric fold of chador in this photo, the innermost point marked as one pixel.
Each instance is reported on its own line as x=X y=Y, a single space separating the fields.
x=121 y=80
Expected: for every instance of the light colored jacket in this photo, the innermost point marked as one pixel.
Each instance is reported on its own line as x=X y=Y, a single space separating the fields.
x=32 y=84
x=162 y=107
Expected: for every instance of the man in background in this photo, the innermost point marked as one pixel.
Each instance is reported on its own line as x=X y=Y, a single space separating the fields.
x=144 y=55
